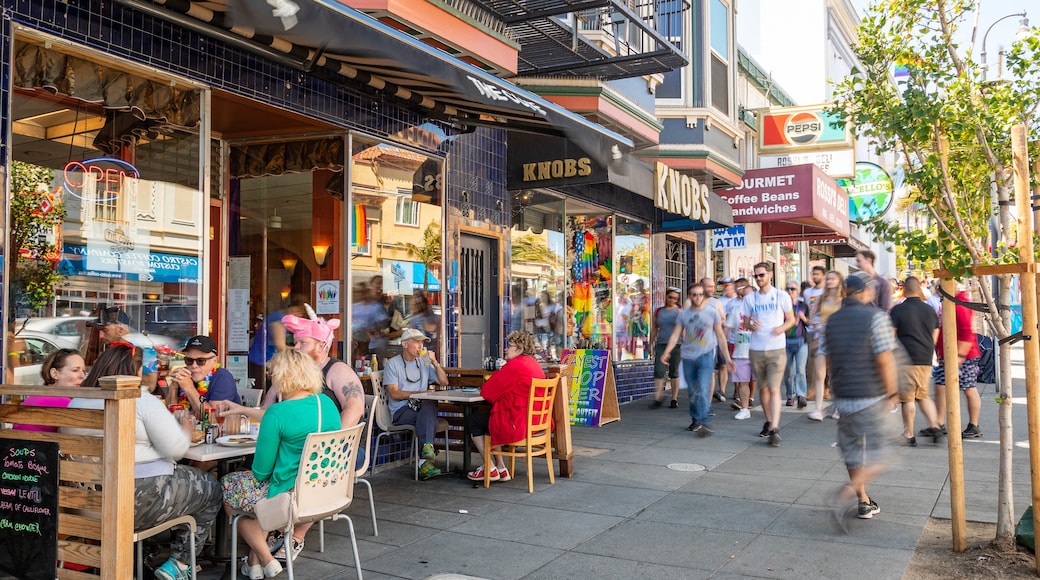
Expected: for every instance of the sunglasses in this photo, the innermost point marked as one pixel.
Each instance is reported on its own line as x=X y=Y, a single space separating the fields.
x=792 y=289
x=188 y=361
x=762 y=275
x=697 y=294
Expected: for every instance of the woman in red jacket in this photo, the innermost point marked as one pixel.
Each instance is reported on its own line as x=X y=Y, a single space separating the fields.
x=508 y=390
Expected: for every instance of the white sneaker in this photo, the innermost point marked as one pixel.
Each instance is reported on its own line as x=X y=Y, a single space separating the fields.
x=743 y=414
x=816 y=415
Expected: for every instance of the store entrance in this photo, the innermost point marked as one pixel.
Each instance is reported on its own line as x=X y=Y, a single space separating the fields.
x=478 y=310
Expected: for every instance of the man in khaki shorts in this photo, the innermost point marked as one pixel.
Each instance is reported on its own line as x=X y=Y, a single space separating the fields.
x=917 y=327
x=770 y=313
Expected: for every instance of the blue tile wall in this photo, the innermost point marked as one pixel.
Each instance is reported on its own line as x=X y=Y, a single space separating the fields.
x=634 y=380
x=117 y=30
x=475 y=193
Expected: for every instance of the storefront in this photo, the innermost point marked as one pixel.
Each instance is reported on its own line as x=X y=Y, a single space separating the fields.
x=210 y=183
x=589 y=253
x=794 y=205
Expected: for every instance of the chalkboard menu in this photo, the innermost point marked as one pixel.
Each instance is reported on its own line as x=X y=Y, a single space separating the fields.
x=28 y=509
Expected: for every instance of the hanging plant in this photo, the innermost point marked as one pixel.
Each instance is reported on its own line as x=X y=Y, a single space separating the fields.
x=36 y=217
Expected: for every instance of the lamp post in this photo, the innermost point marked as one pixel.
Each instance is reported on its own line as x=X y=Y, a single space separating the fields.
x=1023 y=29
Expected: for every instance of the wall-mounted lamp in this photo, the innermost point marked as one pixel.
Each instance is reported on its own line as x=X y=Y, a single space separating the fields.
x=285 y=294
x=321 y=254
x=151 y=296
x=290 y=265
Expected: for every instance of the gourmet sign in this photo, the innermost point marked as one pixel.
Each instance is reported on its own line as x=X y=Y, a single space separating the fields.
x=801 y=194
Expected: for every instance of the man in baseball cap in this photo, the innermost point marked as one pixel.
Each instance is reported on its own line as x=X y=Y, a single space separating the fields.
x=409 y=373
x=202 y=378
x=861 y=346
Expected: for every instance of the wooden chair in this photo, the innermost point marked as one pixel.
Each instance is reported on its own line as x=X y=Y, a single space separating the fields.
x=142 y=535
x=538 y=441
x=324 y=487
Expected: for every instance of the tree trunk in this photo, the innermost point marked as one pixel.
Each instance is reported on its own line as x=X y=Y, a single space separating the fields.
x=1005 y=490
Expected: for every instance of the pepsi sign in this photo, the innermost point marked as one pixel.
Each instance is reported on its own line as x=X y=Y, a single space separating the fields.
x=800 y=128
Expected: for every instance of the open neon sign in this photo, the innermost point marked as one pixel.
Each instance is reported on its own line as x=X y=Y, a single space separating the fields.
x=105 y=173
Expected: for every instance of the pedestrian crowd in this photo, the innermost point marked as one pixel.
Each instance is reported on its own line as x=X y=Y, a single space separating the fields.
x=870 y=346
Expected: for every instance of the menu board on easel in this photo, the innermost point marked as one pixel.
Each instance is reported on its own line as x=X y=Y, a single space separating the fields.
x=29 y=509
x=592 y=392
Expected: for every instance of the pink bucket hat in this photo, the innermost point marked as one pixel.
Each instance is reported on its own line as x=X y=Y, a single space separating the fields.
x=318 y=328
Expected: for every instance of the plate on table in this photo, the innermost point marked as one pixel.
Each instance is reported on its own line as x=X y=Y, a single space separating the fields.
x=236 y=440
x=196 y=443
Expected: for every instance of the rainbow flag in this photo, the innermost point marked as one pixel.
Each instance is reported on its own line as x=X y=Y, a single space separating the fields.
x=359 y=235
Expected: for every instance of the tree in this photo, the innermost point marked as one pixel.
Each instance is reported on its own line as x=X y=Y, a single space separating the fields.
x=533 y=249
x=950 y=129
x=35 y=213
x=429 y=252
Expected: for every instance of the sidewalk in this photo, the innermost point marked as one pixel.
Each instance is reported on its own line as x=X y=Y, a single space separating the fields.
x=650 y=499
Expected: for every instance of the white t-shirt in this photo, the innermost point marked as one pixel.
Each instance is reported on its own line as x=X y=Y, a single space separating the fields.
x=811 y=295
x=768 y=309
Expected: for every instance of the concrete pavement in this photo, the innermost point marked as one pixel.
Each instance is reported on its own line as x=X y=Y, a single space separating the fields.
x=650 y=499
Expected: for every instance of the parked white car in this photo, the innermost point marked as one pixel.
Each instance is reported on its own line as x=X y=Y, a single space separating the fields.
x=42 y=336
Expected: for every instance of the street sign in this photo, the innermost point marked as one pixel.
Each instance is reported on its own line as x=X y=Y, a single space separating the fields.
x=734 y=238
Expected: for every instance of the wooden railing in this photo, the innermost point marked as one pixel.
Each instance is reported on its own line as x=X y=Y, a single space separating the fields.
x=96 y=474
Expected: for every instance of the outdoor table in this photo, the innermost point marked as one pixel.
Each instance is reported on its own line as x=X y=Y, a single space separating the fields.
x=223 y=455
x=467 y=399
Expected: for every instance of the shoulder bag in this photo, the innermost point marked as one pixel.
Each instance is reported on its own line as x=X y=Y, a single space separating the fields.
x=276 y=513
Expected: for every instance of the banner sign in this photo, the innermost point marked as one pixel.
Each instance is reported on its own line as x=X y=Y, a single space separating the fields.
x=29 y=509
x=790 y=129
x=840 y=163
x=800 y=194
x=870 y=194
x=79 y=260
x=592 y=392
x=734 y=238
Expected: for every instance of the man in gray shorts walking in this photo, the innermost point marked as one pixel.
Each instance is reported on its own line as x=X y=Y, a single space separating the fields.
x=864 y=383
x=769 y=314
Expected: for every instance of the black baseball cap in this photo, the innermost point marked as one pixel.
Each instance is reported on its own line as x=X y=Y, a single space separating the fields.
x=110 y=315
x=203 y=343
x=858 y=282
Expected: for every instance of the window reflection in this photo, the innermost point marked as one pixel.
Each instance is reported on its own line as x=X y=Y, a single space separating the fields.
x=538 y=283
x=396 y=266
x=116 y=182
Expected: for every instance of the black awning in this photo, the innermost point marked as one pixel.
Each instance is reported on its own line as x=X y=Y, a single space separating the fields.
x=335 y=37
x=720 y=211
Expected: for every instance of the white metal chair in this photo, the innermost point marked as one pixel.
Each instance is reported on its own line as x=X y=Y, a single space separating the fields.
x=366 y=444
x=142 y=535
x=385 y=421
x=250 y=397
x=324 y=487
x=386 y=425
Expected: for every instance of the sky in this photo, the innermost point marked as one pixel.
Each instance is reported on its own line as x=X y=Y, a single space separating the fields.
x=1002 y=35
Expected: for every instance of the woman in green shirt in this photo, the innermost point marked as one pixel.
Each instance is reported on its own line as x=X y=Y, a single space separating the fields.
x=283 y=432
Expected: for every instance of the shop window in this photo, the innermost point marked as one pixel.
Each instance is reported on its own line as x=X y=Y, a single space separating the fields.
x=113 y=181
x=632 y=301
x=406 y=213
x=720 y=59
x=538 y=296
x=397 y=283
x=675 y=260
